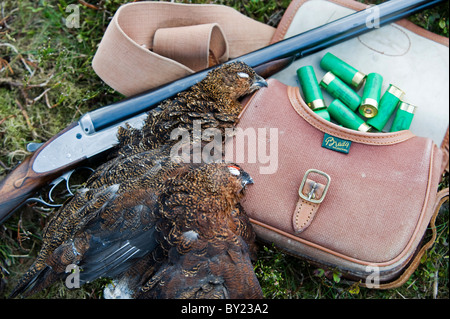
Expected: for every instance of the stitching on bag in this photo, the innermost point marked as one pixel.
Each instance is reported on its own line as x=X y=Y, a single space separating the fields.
x=297 y=215
x=350 y=5
x=388 y=54
x=309 y=119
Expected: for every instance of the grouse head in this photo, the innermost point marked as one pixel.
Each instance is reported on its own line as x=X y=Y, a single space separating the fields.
x=229 y=82
x=225 y=181
x=240 y=175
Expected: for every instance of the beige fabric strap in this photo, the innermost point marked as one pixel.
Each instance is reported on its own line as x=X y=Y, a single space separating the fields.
x=197 y=47
x=126 y=59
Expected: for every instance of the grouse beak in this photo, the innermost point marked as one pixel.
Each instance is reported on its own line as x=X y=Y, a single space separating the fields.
x=258 y=82
x=246 y=179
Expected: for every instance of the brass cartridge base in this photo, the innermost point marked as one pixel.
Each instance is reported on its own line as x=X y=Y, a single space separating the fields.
x=364 y=128
x=317 y=104
x=358 y=80
x=368 y=108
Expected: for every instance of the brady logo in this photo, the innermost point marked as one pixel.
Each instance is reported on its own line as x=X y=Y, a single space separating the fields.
x=336 y=144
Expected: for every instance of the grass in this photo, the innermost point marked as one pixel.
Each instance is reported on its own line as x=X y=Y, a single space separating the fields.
x=46 y=82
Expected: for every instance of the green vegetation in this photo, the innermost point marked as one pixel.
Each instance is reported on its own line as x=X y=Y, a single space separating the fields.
x=46 y=82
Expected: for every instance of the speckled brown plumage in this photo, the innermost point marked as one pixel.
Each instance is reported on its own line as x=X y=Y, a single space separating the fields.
x=113 y=223
x=214 y=102
x=148 y=224
x=208 y=239
x=116 y=207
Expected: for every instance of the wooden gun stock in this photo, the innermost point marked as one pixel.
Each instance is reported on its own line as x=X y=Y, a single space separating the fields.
x=19 y=185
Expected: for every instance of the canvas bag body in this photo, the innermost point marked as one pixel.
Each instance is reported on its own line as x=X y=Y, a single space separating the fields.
x=383 y=194
x=398 y=52
x=380 y=200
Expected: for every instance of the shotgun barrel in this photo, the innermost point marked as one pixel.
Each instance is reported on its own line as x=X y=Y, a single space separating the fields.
x=297 y=46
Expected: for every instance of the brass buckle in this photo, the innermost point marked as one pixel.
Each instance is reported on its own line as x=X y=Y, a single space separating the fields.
x=310 y=196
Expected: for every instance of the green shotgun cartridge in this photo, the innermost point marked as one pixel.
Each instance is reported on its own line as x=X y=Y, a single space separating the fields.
x=310 y=87
x=339 y=90
x=323 y=113
x=386 y=107
x=342 y=114
x=343 y=70
x=403 y=117
x=371 y=95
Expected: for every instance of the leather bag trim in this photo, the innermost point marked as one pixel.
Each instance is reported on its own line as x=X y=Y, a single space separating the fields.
x=328 y=127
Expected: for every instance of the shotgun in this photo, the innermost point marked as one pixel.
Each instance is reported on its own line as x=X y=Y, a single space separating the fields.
x=95 y=132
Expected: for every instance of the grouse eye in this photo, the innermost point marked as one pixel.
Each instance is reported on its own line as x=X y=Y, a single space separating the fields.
x=243 y=75
x=234 y=170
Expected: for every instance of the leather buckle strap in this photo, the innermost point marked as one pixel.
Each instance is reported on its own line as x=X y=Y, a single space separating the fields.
x=315 y=187
x=311 y=193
